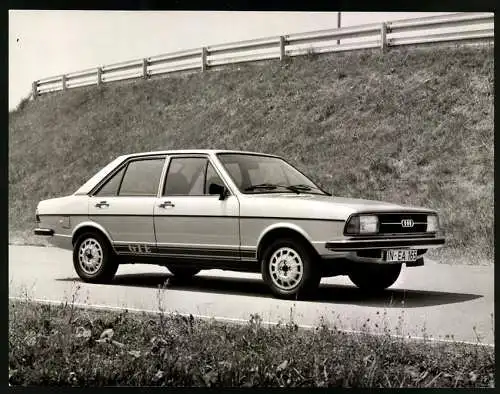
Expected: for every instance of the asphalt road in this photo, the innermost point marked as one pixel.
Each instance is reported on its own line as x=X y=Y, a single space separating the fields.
x=437 y=300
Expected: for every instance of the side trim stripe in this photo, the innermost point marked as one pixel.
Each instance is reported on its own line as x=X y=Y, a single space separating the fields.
x=204 y=216
x=185 y=251
x=62 y=235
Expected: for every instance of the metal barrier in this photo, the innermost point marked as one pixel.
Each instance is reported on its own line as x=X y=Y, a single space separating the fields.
x=435 y=29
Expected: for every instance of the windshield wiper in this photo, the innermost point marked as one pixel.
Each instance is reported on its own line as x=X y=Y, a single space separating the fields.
x=298 y=188
x=307 y=188
x=271 y=186
x=266 y=186
x=301 y=188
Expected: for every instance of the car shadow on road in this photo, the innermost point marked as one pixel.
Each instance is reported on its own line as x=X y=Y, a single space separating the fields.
x=327 y=293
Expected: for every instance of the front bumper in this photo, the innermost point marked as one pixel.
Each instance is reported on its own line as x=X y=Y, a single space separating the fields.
x=355 y=244
x=44 y=231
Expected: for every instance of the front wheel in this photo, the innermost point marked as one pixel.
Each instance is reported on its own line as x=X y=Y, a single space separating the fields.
x=288 y=269
x=374 y=277
x=93 y=258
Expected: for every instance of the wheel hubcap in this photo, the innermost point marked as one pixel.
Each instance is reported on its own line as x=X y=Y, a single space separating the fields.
x=90 y=256
x=286 y=268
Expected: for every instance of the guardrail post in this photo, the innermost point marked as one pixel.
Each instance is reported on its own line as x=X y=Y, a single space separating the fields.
x=338 y=25
x=99 y=76
x=145 y=68
x=34 y=87
x=203 y=59
x=282 y=48
x=383 y=37
x=64 y=84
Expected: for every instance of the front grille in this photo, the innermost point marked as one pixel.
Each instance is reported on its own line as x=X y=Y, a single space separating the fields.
x=390 y=223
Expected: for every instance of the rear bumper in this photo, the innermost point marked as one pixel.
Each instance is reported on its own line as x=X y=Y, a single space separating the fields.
x=350 y=245
x=59 y=240
x=44 y=231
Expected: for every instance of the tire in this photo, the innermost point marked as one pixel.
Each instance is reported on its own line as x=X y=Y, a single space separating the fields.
x=298 y=276
x=183 y=273
x=100 y=264
x=375 y=277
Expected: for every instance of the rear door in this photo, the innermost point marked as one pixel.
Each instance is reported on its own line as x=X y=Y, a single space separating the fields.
x=124 y=204
x=191 y=223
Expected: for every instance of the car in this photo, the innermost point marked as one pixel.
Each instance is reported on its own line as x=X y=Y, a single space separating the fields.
x=192 y=210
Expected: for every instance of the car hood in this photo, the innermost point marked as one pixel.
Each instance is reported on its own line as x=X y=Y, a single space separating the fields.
x=316 y=206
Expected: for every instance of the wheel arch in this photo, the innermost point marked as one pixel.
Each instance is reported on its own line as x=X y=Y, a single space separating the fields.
x=283 y=230
x=92 y=227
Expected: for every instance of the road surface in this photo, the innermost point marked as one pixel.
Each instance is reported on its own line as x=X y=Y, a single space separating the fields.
x=437 y=300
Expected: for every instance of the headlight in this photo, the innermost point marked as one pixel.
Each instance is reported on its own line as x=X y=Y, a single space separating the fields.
x=432 y=223
x=362 y=224
x=368 y=224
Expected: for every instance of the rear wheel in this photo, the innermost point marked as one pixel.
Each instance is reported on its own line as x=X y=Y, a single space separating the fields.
x=183 y=273
x=288 y=269
x=374 y=277
x=93 y=258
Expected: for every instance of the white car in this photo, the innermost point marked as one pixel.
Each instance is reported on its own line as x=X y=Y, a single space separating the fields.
x=203 y=209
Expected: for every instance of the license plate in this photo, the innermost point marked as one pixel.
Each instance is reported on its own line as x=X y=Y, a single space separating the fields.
x=398 y=255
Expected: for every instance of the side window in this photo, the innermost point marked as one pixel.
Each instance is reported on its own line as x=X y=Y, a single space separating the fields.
x=185 y=177
x=212 y=177
x=142 y=178
x=110 y=188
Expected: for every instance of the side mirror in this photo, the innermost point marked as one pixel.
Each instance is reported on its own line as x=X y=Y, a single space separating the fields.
x=218 y=189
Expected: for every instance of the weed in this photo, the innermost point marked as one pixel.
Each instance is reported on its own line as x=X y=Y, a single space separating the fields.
x=160 y=296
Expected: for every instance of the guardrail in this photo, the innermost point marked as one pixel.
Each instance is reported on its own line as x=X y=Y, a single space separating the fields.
x=435 y=29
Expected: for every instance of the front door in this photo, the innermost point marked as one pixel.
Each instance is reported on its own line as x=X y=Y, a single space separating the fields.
x=188 y=221
x=124 y=205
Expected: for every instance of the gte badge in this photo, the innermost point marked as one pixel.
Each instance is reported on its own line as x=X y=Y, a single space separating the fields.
x=407 y=223
x=139 y=248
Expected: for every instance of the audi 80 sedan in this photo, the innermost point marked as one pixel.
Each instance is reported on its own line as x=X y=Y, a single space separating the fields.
x=192 y=210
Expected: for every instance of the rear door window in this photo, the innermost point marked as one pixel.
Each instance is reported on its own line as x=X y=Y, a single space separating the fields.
x=142 y=178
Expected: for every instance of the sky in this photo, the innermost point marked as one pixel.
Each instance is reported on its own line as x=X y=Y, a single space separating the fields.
x=48 y=43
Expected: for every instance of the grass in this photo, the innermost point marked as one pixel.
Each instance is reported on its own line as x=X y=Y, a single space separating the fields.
x=413 y=126
x=67 y=346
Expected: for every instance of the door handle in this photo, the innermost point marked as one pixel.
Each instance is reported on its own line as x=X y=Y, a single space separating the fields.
x=102 y=204
x=166 y=204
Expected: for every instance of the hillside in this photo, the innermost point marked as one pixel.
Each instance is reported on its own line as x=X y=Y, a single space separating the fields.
x=413 y=126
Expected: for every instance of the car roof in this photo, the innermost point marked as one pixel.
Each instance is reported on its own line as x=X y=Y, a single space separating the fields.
x=195 y=151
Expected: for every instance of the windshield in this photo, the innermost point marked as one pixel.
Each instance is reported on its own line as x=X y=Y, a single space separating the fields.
x=265 y=174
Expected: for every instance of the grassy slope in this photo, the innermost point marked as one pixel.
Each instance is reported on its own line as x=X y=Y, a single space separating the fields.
x=412 y=126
